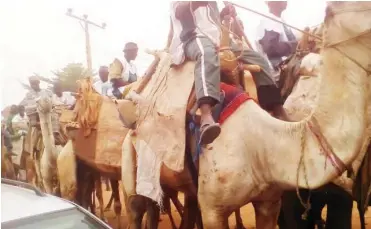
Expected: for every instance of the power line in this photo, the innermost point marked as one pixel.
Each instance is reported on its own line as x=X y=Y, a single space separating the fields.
x=85 y=25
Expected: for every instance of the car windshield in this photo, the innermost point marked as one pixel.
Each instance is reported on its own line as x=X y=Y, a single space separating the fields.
x=66 y=219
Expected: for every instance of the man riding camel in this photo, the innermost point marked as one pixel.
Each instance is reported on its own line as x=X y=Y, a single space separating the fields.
x=61 y=97
x=123 y=71
x=195 y=35
x=102 y=85
x=268 y=93
x=275 y=40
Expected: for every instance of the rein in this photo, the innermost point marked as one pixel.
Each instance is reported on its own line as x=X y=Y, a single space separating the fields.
x=330 y=14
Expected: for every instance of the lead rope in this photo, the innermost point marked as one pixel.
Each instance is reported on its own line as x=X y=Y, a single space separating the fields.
x=306 y=205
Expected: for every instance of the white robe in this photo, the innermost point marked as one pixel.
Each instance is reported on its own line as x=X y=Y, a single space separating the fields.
x=66 y=99
x=102 y=87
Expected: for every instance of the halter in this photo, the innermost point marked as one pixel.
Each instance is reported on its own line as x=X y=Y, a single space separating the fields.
x=330 y=13
x=313 y=125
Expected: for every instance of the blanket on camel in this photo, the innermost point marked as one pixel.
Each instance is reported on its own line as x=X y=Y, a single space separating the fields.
x=161 y=124
x=98 y=139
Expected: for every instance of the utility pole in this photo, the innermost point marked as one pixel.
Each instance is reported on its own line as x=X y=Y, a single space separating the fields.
x=85 y=26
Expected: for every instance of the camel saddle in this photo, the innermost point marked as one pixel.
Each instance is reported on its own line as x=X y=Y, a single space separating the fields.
x=166 y=100
x=95 y=128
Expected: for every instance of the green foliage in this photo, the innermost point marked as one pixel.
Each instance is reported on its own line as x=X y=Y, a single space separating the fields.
x=70 y=74
x=67 y=76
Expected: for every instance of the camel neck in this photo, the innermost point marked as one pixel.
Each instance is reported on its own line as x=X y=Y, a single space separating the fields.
x=341 y=114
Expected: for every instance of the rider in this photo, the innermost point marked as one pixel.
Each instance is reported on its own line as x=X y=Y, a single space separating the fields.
x=123 y=71
x=102 y=85
x=275 y=40
x=61 y=97
x=195 y=35
x=268 y=93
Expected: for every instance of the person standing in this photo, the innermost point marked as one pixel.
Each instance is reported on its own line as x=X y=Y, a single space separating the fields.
x=20 y=124
x=275 y=40
x=268 y=93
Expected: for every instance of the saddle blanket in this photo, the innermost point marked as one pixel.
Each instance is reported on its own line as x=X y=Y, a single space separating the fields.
x=232 y=98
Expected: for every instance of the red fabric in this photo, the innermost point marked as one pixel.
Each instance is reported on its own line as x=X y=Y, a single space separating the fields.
x=234 y=97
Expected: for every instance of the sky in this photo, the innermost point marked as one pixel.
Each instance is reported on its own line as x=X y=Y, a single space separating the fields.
x=38 y=37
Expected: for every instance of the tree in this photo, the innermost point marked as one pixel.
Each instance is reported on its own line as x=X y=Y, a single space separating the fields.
x=69 y=75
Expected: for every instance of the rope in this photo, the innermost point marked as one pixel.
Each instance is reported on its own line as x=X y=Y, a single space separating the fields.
x=220 y=31
x=274 y=19
x=306 y=205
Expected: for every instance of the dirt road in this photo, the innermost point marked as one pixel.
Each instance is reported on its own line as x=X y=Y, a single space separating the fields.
x=247 y=212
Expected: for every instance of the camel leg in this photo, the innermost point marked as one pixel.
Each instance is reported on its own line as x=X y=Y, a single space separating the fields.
x=92 y=202
x=213 y=218
x=153 y=214
x=30 y=169
x=128 y=175
x=38 y=178
x=191 y=214
x=178 y=205
x=99 y=194
x=109 y=203
x=106 y=181
x=266 y=214
x=9 y=168
x=46 y=171
x=136 y=205
x=117 y=203
x=167 y=209
x=239 y=223
x=66 y=165
x=172 y=221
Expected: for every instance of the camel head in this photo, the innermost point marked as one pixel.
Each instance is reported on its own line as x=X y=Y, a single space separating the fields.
x=347 y=21
x=347 y=31
x=44 y=103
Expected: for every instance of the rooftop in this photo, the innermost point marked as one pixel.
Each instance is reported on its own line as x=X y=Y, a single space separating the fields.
x=18 y=202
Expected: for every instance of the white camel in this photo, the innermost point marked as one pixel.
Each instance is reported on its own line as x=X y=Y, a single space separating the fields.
x=256 y=168
x=256 y=156
x=302 y=101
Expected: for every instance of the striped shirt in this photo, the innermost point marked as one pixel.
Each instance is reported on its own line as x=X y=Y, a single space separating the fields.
x=203 y=22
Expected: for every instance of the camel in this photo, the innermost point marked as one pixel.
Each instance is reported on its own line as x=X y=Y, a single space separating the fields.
x=78 y=171
x=48 y=169
x=339 y=72
x=313 y=152
x=299 y=105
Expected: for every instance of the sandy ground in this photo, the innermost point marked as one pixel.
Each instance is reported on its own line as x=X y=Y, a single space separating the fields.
x=247 y=212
